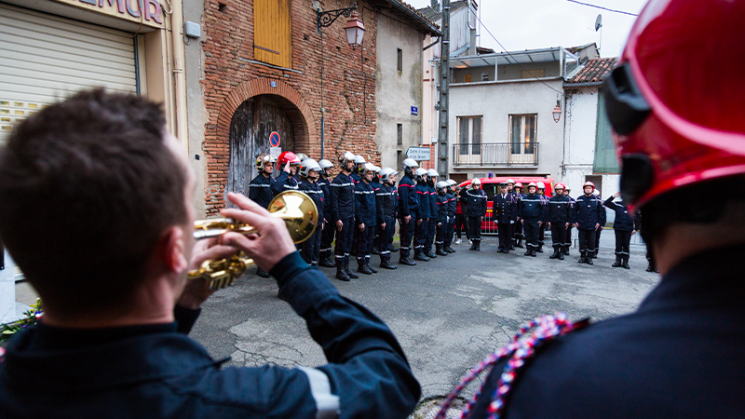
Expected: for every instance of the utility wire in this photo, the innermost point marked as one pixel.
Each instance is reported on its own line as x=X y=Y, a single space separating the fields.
x=512 y=56
x=602 y=8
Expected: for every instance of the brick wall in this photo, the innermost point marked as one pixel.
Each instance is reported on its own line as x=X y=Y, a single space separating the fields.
x=348 y=91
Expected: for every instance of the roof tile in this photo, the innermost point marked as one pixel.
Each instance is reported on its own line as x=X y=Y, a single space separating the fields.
x=594 y=71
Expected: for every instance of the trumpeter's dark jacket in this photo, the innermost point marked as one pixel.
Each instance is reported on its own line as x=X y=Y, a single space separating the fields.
x=154 y=372
x=532 y=207
x=679 y=355
x=589 y=211
x=560 y=209
x=365 y=206
x=504 y=210
x=313 y=190
x=284 y=182
x=260 y=190
x=476 y=202
x=422 y=194
x=408 y=202
x=342 y=197
x=624 y=221
x=386 y=199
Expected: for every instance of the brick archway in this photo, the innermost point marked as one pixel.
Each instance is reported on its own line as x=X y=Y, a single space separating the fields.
x=217 y=145
x=301 y=116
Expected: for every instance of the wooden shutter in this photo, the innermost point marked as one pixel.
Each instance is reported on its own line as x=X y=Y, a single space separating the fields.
x=272 y=32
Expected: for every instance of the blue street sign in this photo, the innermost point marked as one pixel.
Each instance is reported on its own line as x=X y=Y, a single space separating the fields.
x=414 y=110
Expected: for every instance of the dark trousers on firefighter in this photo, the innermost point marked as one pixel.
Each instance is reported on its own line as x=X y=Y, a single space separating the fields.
x=364 y=243
x=327 y=238
x=420 y=236
x=568 y=240
x=505 y=236
x=530 y=228
x=623 y=242
x=542 y=235
x=449 y=230
x=377 y=236
x=344 y=242
x=386 y=239
x=355 y=235
x=311 y=248
x=517 y=233
x=440 y=232
x=558 y=236
x=461 y=224
x=474 y=228
x=431 y=235
x=406 y=233
x=597 y=239
x=586 y=242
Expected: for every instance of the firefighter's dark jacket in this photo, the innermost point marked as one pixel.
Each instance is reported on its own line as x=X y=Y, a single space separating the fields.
x=532 y=207
x=407 y=200
x=260 y=190
x=679 y=355
x=386 y=199
x=476 y=203
x=342 y=197
x=365 y=204
x=560 y=209
x=284 y=182
x=504 y=210
x=589 y=211
x=623 y=221
x=155 y=372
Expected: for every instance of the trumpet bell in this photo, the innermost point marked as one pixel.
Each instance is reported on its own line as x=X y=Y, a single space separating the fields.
x=299 y=213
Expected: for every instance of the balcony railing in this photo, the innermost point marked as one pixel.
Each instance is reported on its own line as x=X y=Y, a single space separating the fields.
x=493 y=154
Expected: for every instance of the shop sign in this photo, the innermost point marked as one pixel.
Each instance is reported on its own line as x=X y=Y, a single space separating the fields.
x=146 y=12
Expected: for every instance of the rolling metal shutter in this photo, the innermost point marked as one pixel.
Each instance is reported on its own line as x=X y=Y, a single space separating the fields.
x=45 y=58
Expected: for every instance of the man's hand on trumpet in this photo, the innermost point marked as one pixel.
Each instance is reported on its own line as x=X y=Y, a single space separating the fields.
x=270 y=245
x=197 y=292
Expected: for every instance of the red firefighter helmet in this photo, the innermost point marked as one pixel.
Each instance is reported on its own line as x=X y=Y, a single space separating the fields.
x=532 y=184
x=287 y=157
x=559 y=186
x=588 y=183
x=518 y=185
x=676 y=120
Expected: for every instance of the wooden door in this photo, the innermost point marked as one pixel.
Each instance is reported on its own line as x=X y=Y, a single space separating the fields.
x=250 y=128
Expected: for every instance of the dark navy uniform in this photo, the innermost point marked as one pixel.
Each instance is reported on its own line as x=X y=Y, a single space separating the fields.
x=284 y=182
x=442 y=202
x=560 y=212
x=327 y=235
x=517 y=234
x=679 y=355
x=504 y=210
x=386 y=199
x=425 y=211
x=152 y=371
x=364 y=214
x=543 y=227
x=311 y=248
x=475 y=209
x=568 y=239
x=433 y=210
x=588 y=212
x=342 y=208
x=408 y=206
x=260 y=190
x=461 y=220
x=452 y=208
x=531 y=210
x=376 y=229
x=623 y=225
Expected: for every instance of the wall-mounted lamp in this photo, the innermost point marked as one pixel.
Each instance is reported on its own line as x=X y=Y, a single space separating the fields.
x=557 y=112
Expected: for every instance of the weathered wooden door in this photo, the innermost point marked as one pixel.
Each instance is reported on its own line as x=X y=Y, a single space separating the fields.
x=250 y=128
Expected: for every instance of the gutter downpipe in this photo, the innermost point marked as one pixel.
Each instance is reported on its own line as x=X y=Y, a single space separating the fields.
x=178 y=73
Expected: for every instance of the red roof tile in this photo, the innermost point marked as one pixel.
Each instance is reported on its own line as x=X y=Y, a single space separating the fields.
x=594 y=71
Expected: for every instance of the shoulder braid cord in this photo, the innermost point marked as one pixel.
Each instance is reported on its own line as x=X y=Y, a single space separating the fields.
x=547 y=328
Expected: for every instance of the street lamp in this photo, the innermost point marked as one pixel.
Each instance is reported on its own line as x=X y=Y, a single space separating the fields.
x=557 y=112
x=354 y=29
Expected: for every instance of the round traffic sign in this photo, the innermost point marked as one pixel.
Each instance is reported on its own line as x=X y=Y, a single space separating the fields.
x=274 y=139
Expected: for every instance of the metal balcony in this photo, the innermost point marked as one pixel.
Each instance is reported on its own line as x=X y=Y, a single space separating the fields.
x=495 y=154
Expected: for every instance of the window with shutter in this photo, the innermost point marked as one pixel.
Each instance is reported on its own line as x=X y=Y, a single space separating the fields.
x=272 y=32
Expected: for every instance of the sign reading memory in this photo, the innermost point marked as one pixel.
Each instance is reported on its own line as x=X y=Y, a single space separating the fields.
x=146 y=12
x=419 y=153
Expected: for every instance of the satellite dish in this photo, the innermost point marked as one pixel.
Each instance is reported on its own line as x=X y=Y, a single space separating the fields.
x=598 y=22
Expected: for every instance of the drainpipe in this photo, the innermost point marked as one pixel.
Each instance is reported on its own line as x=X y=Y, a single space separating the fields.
x=177 y=36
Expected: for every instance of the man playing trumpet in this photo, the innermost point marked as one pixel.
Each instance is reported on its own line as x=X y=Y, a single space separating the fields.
x=95 y=207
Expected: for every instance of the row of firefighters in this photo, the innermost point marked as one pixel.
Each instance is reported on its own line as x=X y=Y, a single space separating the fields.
x=359 y=207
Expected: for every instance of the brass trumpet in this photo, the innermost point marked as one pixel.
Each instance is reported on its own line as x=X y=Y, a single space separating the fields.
x=299 y=213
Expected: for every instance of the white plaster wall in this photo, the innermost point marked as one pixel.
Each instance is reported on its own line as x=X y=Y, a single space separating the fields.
x=496 y=101
x=397 y=91
x=429 y=94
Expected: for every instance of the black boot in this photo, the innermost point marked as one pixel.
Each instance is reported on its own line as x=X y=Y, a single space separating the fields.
x=373 y=270
x=533 y=252
x=561 y=255
x=262 y=273
x=520 y=244
x=477 y=243
x=566 y=250
x=421 y=256
x=527 y=251
x=581 y=257
x=395 y=248
x=540 y=248
x=363 y=269
x=595 y=254
x=327 y=262
x=588 y=258
x=375 y=251
x=512 y=244
x=556 y=254
x=473 y=246
x=406 y=261
x=625 y=261
x=341 y=274
x=349 y=271
x=449 y=249
x=431 y=255
x=386 y=264
x=617 y=263
x=441 y=252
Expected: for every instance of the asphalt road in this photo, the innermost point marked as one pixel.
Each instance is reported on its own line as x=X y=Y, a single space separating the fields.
x=447 y=313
